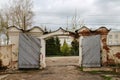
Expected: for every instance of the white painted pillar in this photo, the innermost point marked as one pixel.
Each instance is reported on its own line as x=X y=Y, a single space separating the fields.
x=43 y=54
x=80 y=51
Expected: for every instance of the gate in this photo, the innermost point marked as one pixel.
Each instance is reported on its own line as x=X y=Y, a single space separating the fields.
x=91 y=51
x=29 y=51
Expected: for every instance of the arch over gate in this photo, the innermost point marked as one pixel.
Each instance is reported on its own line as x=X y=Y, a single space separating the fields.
x=83 y=31
x=59 y=32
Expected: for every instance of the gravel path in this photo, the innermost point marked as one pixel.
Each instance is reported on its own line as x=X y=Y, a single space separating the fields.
x=58 y=68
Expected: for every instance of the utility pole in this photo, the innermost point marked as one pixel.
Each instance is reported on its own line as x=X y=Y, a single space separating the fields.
x=67 y=23
x=75 y=19
x=24 y=23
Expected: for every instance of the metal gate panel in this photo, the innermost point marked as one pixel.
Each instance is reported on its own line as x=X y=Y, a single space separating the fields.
x=29 y=51
x=91 y=51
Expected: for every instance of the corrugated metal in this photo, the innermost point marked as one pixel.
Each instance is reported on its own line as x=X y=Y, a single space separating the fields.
x=91 y=51
x=29 y=51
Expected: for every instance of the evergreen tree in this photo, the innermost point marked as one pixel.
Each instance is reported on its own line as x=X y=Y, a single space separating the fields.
x=65 y=49
x=75 y=47
x=45 y=30
x=53 y=46
x=50 y=47
x=57 y=47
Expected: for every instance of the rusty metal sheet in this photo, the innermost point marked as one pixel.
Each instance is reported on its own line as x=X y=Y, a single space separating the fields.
x=29 y=51
x=91 y=51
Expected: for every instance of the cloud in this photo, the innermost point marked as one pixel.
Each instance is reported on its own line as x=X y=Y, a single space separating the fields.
x=3 y=3
x=108 y=7
x=54 y=13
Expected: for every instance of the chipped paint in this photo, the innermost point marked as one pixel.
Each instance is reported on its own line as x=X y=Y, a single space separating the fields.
x=117 y=55
x=5 y=52
x=105 y=50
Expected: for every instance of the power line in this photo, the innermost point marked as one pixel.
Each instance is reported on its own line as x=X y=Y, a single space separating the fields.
x=84 y=23
x=105 y=15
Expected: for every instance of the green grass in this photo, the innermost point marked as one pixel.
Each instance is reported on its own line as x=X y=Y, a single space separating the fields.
x=94 y=72
x=81 y=68
x=107 y=77
x=103 y=72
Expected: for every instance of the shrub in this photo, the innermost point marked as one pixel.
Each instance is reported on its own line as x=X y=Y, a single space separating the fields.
x=75 y=47
x=65 y=49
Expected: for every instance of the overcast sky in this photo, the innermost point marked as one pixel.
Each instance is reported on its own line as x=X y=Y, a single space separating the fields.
x=93 y=13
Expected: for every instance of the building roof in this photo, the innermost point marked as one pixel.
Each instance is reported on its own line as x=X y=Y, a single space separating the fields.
x=60 y=32
x=115 y=30
x=35 y=27
x=60 y=29
x=14 y=27
x=87 y=31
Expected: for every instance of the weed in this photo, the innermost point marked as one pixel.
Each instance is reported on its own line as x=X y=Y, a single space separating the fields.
x=107 y=77
x=81 y=68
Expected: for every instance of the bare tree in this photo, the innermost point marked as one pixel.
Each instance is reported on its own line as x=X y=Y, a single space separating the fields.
x=17 y=13
x=4 y=23
x=3 y=20
x=21 y=13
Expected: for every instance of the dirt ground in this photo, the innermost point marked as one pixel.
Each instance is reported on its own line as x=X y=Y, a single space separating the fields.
x=58 y=68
